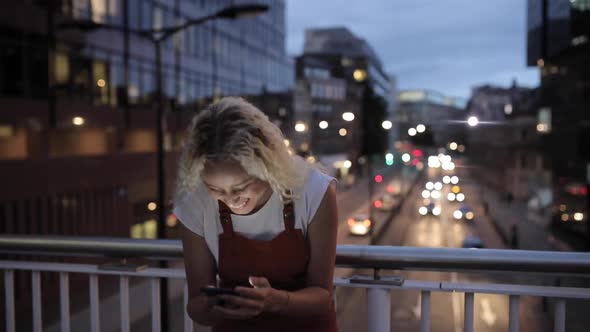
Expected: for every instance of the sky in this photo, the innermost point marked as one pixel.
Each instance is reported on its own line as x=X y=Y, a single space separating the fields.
x=448 y=46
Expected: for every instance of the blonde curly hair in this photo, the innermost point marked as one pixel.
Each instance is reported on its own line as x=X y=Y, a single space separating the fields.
x=234 y=129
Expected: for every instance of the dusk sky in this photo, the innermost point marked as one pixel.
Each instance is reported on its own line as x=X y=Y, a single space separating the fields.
x=447 y=46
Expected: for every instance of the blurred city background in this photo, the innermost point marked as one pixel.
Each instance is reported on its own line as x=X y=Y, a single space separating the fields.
x=459 y=124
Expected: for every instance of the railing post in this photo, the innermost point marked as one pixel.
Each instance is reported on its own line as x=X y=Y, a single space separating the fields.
x=468 y=312
x=37 y=316
x=513 y=313
x=124 y=301
x=156 y=317
x=9 y=304
x=64 y=299
x=94 y=304
x=379 y=309
x=425 y=311
x=559 y=323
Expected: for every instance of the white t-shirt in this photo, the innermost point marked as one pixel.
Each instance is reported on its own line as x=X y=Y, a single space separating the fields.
x=199 y=212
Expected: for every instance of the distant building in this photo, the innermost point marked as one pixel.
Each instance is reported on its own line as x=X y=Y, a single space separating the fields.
x=77 y=114
x=559 y=45
x=433 y=110
x=331 y=75
x=505 y=144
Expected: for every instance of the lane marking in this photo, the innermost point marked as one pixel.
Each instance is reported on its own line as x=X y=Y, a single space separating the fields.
x=487 y=315
x=456 y=306
x=417 y=310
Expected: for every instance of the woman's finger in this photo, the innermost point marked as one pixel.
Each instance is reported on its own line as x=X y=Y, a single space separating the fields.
x=252 y=293
x=239 y=313
x=243 y=302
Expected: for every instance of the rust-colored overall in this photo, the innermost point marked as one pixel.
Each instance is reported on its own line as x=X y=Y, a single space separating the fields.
x=282 y=260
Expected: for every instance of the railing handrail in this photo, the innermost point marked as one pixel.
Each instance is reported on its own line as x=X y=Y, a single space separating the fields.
x=354 y=256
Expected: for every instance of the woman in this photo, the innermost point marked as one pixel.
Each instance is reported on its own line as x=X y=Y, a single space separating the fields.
x=261 y=219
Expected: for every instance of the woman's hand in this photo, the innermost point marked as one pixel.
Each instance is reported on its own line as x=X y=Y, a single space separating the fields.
x=252 y=301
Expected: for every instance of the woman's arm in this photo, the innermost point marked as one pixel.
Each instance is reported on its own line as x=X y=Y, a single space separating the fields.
x=200 y=272
x=316 y=298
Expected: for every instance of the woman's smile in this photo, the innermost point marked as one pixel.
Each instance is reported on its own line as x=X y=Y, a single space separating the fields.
x=239 y=206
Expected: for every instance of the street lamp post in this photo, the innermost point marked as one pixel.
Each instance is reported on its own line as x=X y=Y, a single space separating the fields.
x=157 y=37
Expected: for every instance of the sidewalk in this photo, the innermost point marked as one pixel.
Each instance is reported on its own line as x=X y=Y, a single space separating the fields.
x=532 y=231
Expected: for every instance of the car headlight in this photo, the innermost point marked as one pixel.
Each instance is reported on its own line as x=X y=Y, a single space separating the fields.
x=423 y=210
x=451 y=197
x=469 y=215
x=457 y=214
x=460 y=197
x=436 y=211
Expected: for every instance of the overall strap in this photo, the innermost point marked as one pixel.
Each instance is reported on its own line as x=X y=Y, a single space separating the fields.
x=289 y=216
x=225 y=218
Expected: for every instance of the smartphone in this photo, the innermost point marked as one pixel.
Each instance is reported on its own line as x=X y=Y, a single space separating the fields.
x=211 y=291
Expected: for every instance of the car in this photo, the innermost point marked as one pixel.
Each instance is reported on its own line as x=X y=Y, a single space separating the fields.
x=359 y=225
x=463 y=213
x=434 y=194
x=429 y=208
x=394 y=188
x=472 y=241
x=458 y=197
x=386 y=203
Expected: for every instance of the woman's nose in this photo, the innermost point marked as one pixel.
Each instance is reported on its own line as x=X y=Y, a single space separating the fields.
x=232 y=198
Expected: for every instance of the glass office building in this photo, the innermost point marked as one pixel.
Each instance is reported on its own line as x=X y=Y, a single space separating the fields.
x=117 y=68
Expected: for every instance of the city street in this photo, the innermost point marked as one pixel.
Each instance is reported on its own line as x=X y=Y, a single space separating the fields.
x=411 y=229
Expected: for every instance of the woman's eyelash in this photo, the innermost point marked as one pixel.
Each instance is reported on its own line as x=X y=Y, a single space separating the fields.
x=241 y=189
x=235 y=190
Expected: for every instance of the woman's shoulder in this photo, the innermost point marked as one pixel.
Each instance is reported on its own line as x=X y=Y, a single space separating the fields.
x=317 y=179
x=191 y=208
x=196 y=196
x=316 y=186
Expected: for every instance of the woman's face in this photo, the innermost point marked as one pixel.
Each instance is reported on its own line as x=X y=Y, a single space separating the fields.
x=229 y=182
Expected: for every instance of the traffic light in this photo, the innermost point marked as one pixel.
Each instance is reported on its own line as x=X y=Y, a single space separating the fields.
x=389 y=159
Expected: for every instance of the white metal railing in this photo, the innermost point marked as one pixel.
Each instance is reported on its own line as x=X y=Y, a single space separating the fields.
x=378 y=289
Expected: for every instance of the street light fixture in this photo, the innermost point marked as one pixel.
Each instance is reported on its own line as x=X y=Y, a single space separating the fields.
x=157 y=37
x=420 y=128
x=300 y=127
x=348 y=116
x=412 y=131
x=386 y=124
x=472 y=121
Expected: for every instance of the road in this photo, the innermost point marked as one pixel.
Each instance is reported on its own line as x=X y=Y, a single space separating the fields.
x=410 y=229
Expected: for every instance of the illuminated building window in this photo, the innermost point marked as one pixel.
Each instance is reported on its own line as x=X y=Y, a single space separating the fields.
x=62 y=68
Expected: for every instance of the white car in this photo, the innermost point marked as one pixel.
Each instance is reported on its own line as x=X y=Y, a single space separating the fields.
x=430 y=208
x=359 y=225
